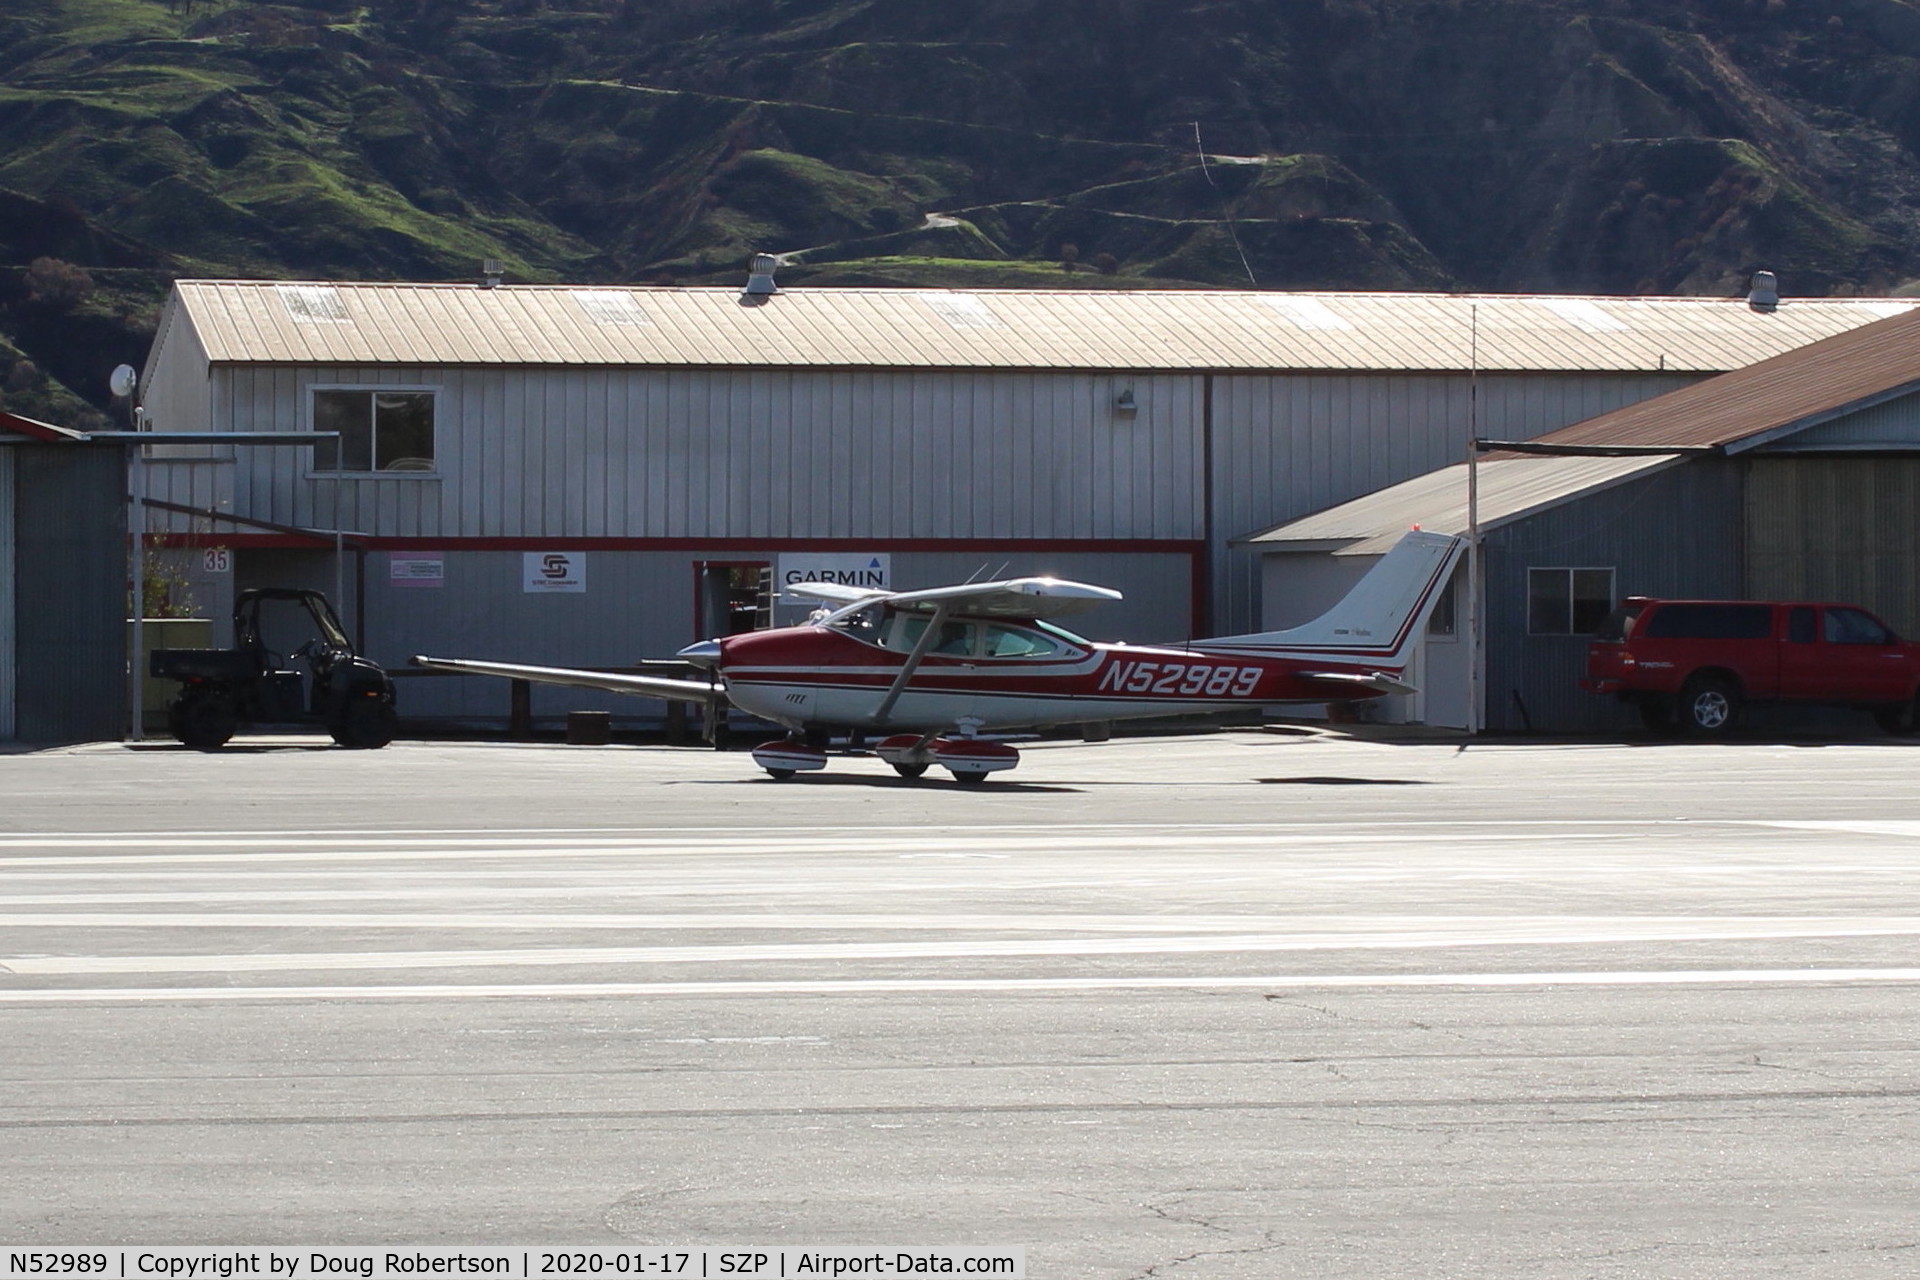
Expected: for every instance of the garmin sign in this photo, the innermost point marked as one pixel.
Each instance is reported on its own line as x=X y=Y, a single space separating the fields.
x=874 y=572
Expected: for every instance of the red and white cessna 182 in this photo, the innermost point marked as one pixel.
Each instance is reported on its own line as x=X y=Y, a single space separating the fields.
x=934 y=669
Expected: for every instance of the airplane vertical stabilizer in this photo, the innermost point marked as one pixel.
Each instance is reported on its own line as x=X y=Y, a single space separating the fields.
x=1378 y=621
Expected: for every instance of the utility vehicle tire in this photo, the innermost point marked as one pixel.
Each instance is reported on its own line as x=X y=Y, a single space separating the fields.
x=909 y=770
x=1709 y=706
x=203 y=721
x=363 y=725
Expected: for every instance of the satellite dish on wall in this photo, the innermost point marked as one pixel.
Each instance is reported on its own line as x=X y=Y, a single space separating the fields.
x=122 y=381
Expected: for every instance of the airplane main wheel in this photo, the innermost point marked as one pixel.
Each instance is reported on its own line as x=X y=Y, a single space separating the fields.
x=970 y=777
x=780 y=775
x=910 y=770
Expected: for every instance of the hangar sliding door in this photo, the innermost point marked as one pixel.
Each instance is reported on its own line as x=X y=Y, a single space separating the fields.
x=1826 y=527
x=7 y=646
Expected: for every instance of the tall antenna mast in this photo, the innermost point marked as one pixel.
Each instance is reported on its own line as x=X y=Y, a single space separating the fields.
x=1475 y=674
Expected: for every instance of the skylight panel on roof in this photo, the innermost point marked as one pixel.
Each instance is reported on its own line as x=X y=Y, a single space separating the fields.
x=1583 y=315
x=313 y=303
x=961 y=311
x=1307 y=313
x=611 y=306
x=1884 y=308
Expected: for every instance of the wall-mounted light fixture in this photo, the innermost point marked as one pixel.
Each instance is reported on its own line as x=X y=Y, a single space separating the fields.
x=1124 y=404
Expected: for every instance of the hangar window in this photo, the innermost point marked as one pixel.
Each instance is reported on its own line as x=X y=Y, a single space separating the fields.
x=380 y=430
x=1568 y=602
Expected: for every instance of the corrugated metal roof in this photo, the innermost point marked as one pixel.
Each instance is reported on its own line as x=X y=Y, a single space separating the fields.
x=1774 y=397
x=1510 y=489
x=1134 y=330
x=34 y=429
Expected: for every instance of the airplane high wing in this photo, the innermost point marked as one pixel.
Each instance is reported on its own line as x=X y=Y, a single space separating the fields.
x=1013 y=598
x=934 y=669
x=709 y=695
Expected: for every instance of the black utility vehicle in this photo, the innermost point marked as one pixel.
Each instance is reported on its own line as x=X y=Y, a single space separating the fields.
x=224 y=690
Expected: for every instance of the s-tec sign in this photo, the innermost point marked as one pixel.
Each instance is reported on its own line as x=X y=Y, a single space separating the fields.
x=848 y=570
x=554 y=571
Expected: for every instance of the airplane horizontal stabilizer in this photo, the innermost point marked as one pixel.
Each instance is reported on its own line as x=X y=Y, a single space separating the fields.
x=609 y=681
x=1374 y=682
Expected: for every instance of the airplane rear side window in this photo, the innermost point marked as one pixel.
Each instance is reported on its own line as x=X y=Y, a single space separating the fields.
x=1709 y=622
x=1015 y=642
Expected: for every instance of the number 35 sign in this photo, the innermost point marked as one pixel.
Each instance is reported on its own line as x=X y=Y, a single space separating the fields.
x=216 y=560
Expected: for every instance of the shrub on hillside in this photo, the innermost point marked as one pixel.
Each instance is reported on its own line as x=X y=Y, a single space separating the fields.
x=57 y=283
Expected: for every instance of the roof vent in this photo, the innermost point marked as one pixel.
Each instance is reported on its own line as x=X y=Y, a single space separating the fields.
x=1765 y=294
x=760 y=277
x=491 y=269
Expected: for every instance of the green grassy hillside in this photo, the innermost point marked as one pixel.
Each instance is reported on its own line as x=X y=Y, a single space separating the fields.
x=1606 y=146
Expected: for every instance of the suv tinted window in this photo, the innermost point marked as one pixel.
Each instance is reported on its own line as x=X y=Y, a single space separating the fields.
x=1614 y=629
x=1710 y=622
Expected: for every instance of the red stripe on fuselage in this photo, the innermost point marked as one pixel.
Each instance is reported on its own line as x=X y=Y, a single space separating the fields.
x=826 y=658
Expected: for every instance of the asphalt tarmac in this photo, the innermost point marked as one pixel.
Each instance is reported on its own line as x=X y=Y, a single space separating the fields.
x=1253 y=1004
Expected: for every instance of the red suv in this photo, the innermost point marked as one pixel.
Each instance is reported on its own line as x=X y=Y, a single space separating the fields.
x=1694 y=663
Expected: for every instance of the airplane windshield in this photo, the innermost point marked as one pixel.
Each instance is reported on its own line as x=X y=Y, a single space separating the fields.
x=864 y=625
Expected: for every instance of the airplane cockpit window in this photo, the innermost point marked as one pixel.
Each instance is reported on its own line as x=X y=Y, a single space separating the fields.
x=1018 y=642
x=956 y=639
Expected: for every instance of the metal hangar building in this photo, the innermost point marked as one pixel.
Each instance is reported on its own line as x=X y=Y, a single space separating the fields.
x=1795 y=478
x=591 y=476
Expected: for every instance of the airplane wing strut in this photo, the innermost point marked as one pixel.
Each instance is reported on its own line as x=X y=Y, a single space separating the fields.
x=920 y=648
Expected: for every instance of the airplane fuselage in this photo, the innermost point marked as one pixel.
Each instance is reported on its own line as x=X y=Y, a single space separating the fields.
x=815 y=676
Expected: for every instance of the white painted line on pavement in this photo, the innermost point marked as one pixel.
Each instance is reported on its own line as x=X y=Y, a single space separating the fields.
x=1279 y=983
x=773 y=846
x=1518 y=934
